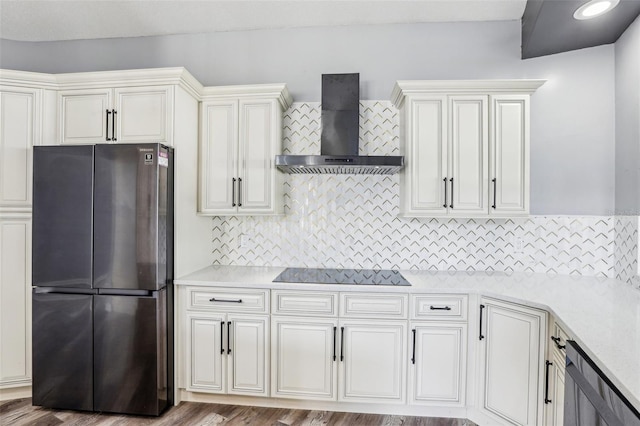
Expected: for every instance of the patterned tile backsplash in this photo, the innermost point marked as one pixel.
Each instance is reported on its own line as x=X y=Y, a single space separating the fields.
x=351 y=221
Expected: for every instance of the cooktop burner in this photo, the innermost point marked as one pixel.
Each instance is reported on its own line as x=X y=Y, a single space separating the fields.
x=342 y=276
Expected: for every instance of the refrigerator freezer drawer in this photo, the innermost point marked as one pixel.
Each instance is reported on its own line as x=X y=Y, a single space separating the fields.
x=63 y=337
x=130 y=348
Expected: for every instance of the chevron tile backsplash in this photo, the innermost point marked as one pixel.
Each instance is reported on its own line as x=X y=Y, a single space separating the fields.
x=350 y=221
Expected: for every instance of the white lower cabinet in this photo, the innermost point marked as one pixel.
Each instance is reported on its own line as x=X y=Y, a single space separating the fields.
x=554 y=376
x=372 y=358
x=227 y=353
x=339 y=358
x=304 y=357
x=15 y=300
x=437 y=373
x=512 y=360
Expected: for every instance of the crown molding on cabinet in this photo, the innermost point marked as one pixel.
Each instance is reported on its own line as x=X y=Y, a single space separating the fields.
x=131 y=78
x=28 y=79
x=403 y=88
x=279 y=91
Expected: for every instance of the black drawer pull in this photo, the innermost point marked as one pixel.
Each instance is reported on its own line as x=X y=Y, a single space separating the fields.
x=113 y=126
x=495 y=189
x=445 y=193
x=413 y=353
x=334 y=342
x=440 y=308
x=222 y=337
x=546 y=383
x=557 y=341
x=213 y=299
x=481 y=309
x=107 y=127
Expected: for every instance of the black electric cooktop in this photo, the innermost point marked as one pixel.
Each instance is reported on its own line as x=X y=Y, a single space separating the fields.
x=341 y=276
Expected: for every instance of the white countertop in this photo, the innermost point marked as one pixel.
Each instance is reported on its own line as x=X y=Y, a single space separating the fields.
x=601 y=315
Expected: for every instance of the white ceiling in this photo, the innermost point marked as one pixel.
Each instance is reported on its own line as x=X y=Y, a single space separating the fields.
x=47 y=20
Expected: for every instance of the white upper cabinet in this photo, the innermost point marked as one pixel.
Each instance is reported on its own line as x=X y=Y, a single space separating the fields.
x=118 y=115
x=510 y=159
x=468 y=174
x=466 y=147
x=18 y=127
x=240 y=135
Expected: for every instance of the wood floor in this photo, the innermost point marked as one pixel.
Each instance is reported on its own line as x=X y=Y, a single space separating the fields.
x=20 y=412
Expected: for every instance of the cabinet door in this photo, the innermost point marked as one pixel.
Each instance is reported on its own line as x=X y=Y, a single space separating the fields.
x=303 y=358
x=424 y=186
x=17 y=134
x=144 y=114
x=218 y=157
x=372 y=361
x=438 y=364
x=207 y=370
x=83 y=116
x=15 y=301
x=513 y=362
x=257 y=149
x=468 y=155
x=248 y=361
x=510 y=154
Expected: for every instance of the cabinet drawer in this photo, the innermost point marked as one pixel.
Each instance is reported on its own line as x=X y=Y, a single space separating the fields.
x=304 y=303
x=228 y=300
x=358 y=305
x=439 y=306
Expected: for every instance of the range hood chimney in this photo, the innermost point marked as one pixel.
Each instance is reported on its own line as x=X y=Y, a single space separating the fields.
x=340 y=136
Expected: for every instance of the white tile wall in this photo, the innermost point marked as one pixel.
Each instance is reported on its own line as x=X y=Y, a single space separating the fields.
x=351 y=221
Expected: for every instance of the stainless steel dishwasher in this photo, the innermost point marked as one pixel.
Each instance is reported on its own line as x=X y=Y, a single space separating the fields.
x=590 y=398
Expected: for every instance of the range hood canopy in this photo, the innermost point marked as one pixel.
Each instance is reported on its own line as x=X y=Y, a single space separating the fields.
x=340 y=135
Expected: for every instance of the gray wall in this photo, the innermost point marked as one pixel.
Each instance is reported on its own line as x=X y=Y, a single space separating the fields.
x=627 y=57
x=573 y=120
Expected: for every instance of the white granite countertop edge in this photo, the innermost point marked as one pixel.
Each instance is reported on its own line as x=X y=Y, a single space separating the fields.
x=602 y=315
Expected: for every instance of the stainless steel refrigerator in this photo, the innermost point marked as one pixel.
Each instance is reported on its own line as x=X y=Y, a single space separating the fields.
x=102 y=276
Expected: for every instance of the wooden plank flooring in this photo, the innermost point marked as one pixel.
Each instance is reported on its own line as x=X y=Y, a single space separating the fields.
x=20 y=412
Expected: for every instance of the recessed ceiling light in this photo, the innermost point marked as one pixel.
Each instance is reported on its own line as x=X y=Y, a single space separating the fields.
x=594 y=8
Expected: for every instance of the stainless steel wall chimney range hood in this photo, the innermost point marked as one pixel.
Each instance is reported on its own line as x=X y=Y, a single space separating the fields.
x=340 y=134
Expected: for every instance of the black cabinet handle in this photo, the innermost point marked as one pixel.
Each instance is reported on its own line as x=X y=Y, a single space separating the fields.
x=106 y=130
x=233 y=192
x=557 y=340
x=546 y=383
x=341 y=343
x=222 y=337
x=113 y=126
x=334 y=342
x=494 y=192
x=413 y=352
x=481 y=309
x=451 y=205
x=229 y=338
x=239 y=192
x=440 y=308
x=213 y=299
x=445 y=193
